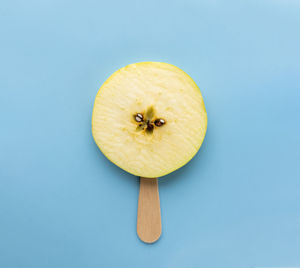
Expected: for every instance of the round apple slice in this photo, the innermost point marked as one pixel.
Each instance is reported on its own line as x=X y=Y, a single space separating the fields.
x=149 y=119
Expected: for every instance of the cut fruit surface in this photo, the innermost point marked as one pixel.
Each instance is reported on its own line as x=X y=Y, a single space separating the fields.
x=149 y=119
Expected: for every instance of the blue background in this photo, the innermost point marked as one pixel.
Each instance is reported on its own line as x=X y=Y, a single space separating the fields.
x=63 y=204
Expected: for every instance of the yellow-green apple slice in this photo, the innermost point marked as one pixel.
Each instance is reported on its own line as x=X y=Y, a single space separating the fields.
x=149 y=119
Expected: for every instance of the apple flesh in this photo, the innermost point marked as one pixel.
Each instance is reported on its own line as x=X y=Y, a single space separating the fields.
x=149 y=118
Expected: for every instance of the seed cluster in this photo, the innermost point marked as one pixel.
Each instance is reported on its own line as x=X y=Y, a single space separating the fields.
x=148 y=122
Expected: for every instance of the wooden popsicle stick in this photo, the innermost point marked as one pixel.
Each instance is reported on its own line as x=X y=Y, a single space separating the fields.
x=148 y=216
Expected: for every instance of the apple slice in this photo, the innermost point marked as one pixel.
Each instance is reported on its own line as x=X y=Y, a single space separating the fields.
x=149 y=119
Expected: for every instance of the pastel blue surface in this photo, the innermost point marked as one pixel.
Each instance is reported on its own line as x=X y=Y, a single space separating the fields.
x=63 y=204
